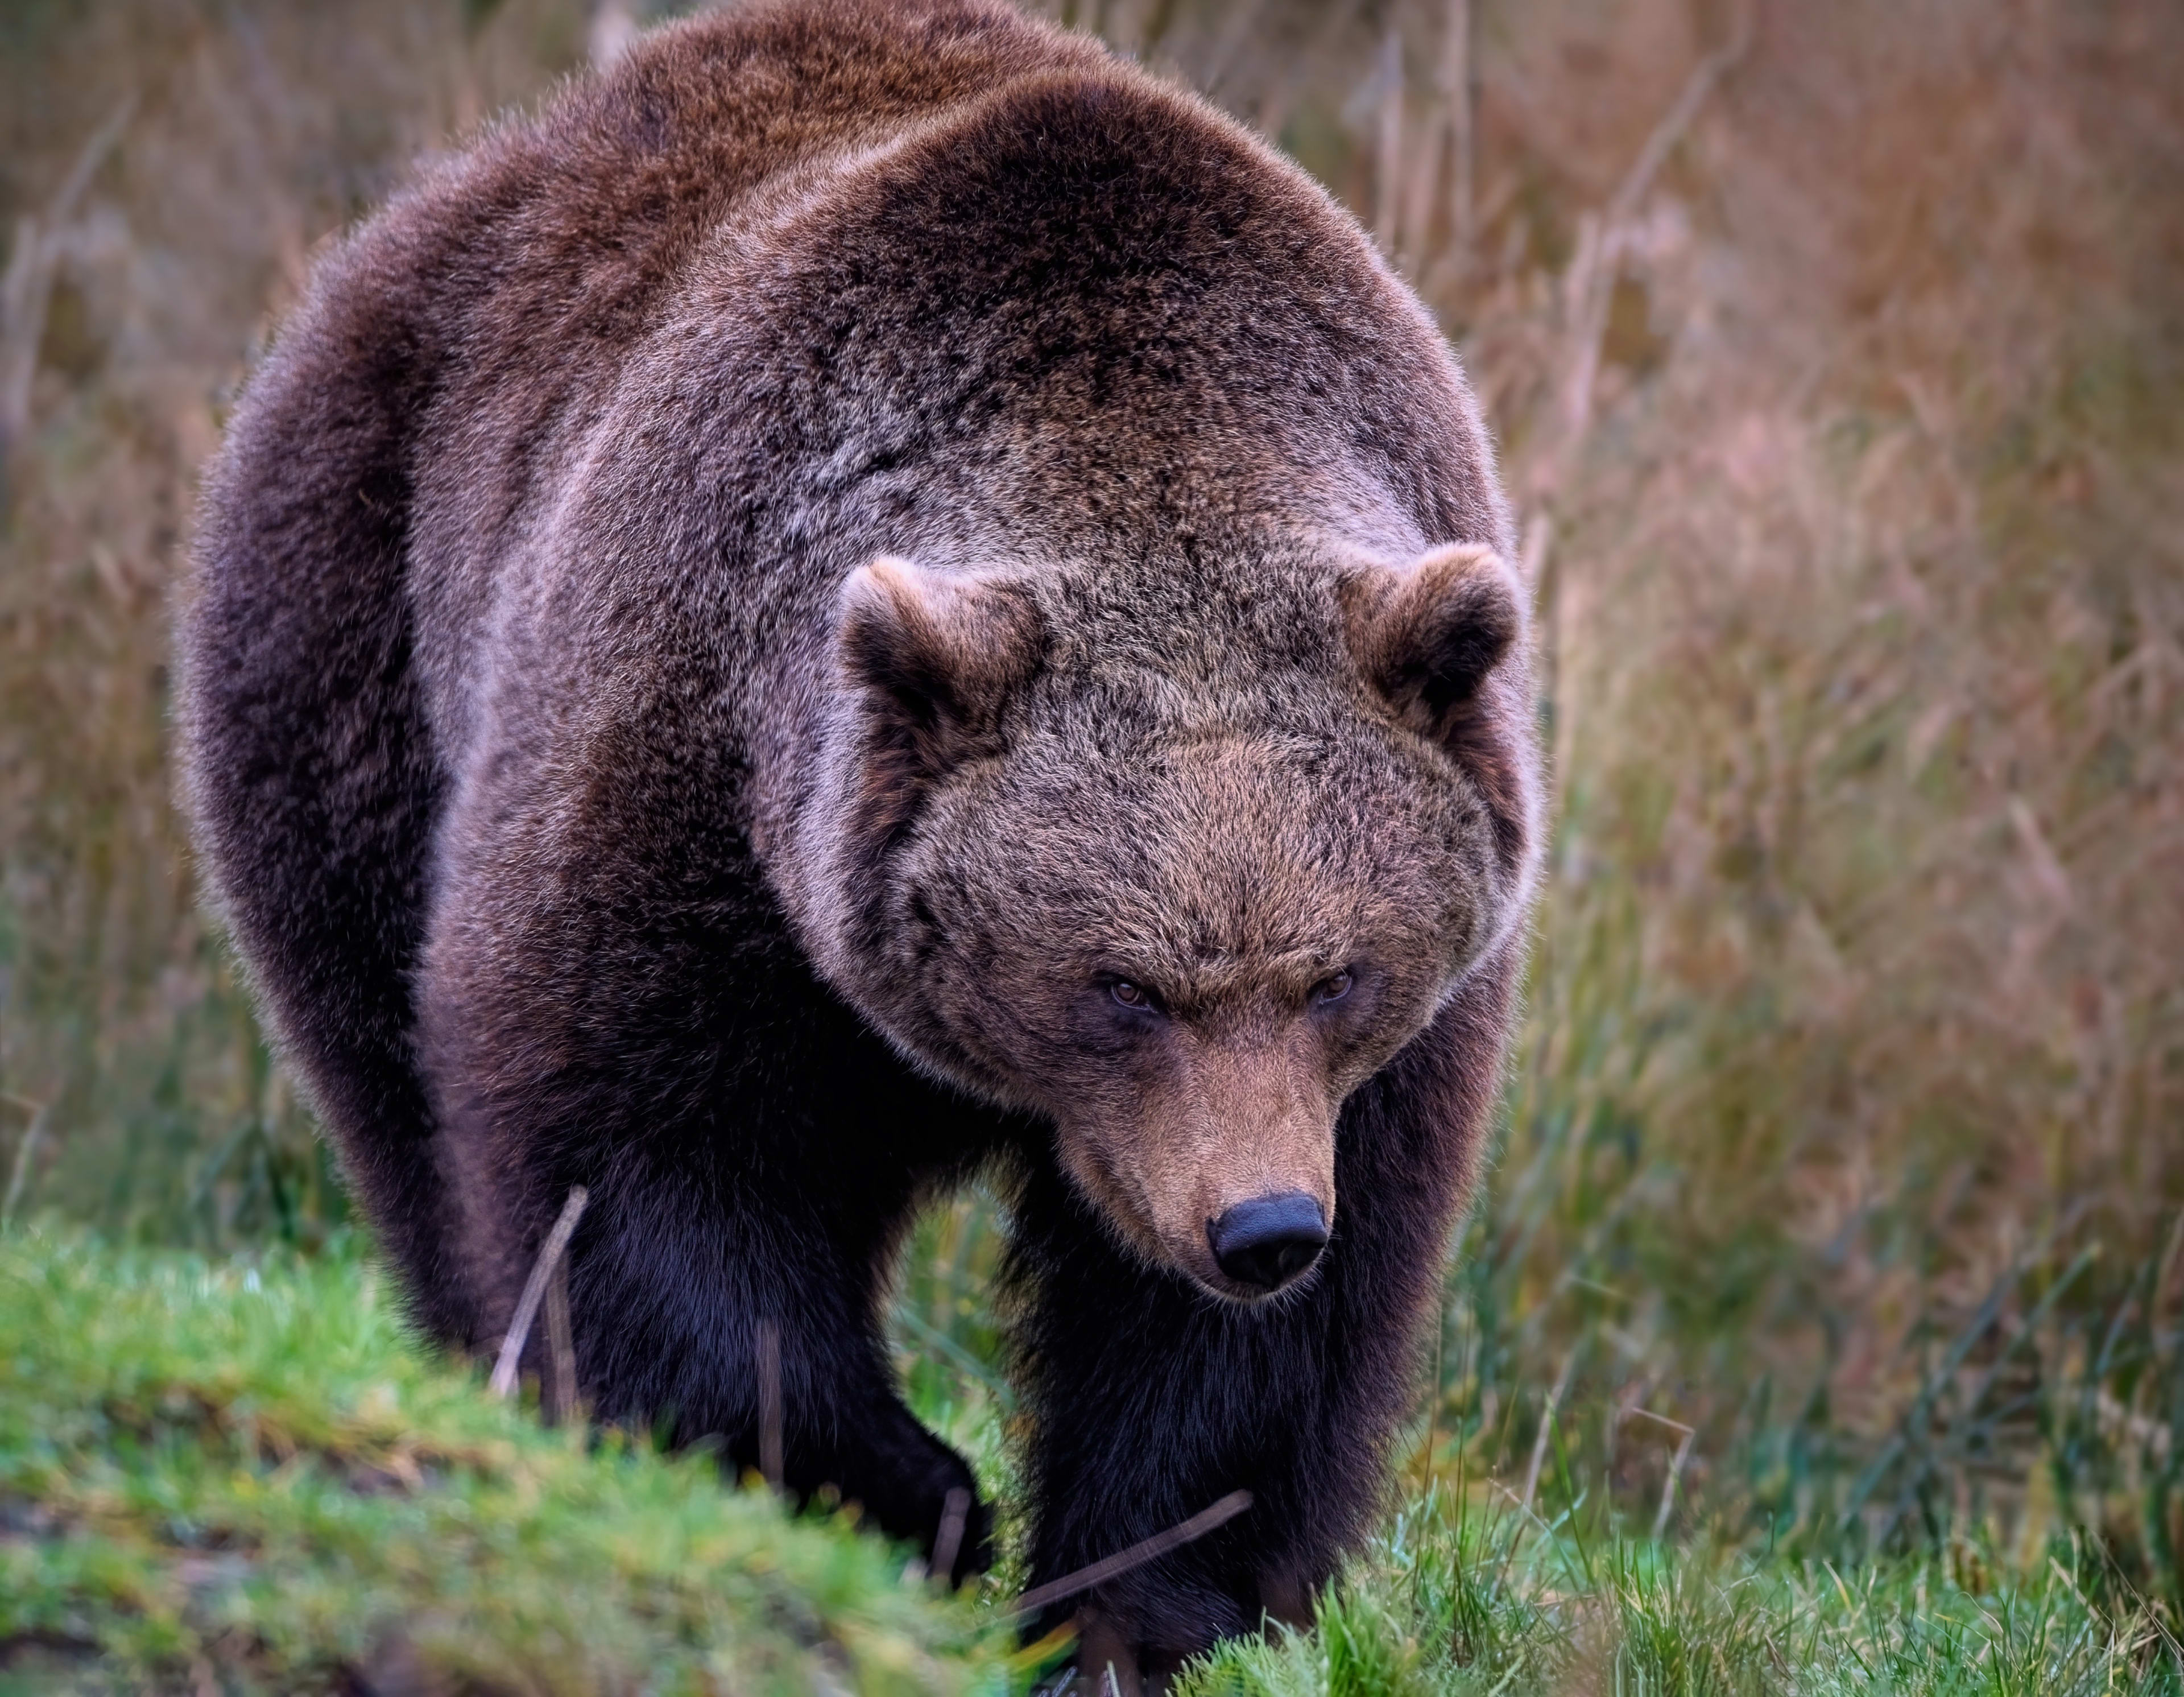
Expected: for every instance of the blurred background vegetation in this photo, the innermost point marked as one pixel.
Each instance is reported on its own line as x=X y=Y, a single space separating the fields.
x=1837 y=353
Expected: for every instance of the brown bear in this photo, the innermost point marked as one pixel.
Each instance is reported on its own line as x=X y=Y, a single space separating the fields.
x=876 y=595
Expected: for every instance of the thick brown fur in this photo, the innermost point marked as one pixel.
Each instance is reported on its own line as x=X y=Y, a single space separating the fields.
x=875 y=593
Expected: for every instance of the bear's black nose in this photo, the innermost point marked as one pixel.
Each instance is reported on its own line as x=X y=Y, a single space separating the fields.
x=1268 y=1240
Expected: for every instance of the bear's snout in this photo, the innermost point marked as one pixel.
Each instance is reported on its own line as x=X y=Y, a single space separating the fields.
x=1269 y=1241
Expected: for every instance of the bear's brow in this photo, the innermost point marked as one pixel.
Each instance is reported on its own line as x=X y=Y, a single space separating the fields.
x=1215 y=974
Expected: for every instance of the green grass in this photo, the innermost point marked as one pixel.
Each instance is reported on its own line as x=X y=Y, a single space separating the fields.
x=1458 y=1597
x=241 y=1476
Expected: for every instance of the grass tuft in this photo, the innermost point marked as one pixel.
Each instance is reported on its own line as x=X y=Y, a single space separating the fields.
x=244 y=1471
x=1464 y=1600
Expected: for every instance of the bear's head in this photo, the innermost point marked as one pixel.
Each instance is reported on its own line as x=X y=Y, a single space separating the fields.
x=1180 y=874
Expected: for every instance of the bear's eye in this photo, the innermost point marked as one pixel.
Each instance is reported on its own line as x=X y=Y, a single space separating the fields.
x=1132 y=994
x=1332 y=988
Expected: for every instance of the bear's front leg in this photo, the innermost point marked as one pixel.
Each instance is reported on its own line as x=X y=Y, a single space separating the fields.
x=751 y=1150
x=705 y=1320
x=754 y=1328
x=1151 y=1398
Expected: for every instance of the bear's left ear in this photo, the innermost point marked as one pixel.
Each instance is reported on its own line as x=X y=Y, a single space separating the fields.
x=1426 y=639
x=937 y=655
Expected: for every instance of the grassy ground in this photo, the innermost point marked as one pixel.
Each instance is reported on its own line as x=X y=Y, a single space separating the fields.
x=1457 y=1599
x=237 y=1476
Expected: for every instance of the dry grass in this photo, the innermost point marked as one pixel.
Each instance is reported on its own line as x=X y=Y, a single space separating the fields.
x=246 y=136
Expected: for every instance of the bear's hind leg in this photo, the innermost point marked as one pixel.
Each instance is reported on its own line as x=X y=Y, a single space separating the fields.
x=312 y=777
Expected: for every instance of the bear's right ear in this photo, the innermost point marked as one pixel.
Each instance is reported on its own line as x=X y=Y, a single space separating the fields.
x=1426 y=639
x=937 y=657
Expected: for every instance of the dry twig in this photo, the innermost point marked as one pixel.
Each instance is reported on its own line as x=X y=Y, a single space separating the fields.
x=955 y=1515
x=28 y=283
x=1688 y=1435
x=561 y=1344
x=769 y=1402
x=1601 y=240
x=1546 y=1426
x=26 y=1151
x=534 y=1292
x=1149 y=1549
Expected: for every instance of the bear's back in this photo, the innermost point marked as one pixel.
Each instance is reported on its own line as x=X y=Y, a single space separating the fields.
x=560 y=234
x=513 y=283
x=805 y=282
